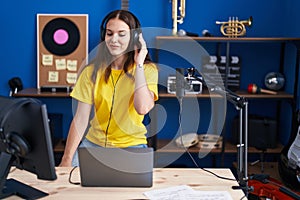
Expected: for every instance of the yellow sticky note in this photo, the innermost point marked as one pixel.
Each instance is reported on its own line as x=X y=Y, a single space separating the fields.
x=72 y=65
x=47 y=60
x=60 y=64
x=71 y=78
x=53 y=76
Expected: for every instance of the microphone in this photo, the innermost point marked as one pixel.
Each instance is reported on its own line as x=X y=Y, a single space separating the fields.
x=180 y=92
x=206 y=33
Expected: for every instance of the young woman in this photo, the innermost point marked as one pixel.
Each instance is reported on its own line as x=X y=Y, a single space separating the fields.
x=120 y=85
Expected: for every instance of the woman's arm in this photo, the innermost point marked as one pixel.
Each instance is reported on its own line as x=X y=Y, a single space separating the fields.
x=143 y=97
x=76 y=132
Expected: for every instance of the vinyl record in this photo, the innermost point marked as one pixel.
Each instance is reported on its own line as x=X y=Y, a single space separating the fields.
x=60 y=36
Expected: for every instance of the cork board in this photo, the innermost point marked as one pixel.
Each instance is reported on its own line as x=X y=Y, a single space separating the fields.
x=62 y=47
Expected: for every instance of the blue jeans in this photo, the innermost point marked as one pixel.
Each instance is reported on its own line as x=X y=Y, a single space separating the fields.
x=87 y=143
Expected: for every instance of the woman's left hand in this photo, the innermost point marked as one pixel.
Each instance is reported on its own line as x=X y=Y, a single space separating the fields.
x=140 y=54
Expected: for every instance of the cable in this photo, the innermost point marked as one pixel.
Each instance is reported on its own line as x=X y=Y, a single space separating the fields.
x=70 y=177
x=112 y=105
x=186 y=149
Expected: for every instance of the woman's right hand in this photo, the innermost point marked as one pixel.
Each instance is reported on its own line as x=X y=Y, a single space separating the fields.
x=140 y=54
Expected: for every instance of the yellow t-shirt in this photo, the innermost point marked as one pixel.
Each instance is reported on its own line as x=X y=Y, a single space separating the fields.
x=116 y=122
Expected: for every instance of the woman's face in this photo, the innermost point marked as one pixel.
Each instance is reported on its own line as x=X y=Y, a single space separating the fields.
x=117 y=36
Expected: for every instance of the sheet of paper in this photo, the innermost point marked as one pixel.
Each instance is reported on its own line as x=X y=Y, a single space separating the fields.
x=184 y=192
x=170 y=193
x=205 y=195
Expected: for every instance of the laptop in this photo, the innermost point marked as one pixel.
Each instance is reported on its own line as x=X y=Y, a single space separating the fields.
x=115 y=167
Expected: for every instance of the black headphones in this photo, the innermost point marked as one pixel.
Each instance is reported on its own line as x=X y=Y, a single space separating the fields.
x=135 y=33
x=15 y=85
x=15 y=143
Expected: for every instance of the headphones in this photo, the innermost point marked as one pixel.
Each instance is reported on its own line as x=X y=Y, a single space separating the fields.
x=15 y=143
x=135 y=33
x=15 y=85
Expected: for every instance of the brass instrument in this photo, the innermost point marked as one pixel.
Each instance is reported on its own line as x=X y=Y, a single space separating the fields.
x=175 y=17
x=234 y=27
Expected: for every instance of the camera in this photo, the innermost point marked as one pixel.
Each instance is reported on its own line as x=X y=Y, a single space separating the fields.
x=191 y=85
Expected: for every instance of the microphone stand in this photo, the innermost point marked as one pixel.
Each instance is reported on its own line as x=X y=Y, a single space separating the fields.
x=241 y=104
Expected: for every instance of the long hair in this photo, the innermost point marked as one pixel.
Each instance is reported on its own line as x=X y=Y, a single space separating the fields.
x=104 y=59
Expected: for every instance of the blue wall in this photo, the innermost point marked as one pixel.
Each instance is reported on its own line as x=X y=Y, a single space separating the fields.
x=18 y=24
x=274 y=18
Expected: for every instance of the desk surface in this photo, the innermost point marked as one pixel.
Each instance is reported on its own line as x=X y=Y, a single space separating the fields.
x=162 y=178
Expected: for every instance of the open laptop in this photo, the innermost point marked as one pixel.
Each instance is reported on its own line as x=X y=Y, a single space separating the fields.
x=114 y=167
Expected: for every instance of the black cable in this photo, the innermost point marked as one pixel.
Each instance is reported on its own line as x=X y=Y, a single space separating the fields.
x=70 y=177
x=112 y=105
x=186 y=149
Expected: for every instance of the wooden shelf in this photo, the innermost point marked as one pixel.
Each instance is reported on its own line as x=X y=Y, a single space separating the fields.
x=206 y=94
x=169 y=146
x=35 y=93
x=231 y=148
x=227 y=39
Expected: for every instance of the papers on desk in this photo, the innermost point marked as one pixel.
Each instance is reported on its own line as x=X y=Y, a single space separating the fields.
x=185 y=192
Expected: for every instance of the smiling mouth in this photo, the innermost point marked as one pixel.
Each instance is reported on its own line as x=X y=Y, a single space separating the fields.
x=114 y=46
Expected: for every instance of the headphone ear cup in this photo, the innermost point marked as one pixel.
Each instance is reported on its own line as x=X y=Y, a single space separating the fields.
x=17 y=144
x=135 y=37
x=102 y=34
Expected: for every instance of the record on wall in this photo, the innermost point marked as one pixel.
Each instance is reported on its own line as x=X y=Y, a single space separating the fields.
x=62 y=47
x=61 y=36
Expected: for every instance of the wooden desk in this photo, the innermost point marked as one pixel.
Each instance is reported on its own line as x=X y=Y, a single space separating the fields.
x=162 y=178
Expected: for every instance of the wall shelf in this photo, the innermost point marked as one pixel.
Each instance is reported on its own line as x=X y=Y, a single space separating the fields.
x=205 y=94
x=169 y=146
x=226 y=39
x=34 y=92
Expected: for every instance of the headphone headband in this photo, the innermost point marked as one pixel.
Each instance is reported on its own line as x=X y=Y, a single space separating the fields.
x=108 y=17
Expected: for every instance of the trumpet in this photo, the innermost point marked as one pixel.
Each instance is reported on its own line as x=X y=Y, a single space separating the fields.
x=233 y=27
x=177 y=18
